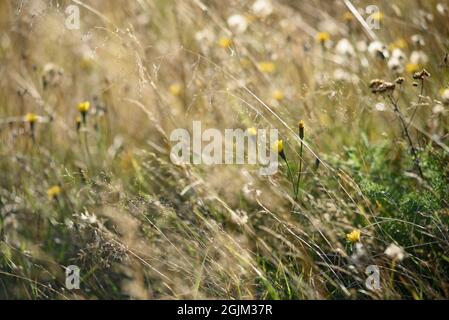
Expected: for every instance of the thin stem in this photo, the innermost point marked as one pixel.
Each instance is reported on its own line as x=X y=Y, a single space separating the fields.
x=407 y=134
x=300 y=170
x=291 y=176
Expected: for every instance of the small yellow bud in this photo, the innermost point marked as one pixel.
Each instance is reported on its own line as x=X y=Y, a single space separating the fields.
x=301 y=129
x=252 y=131
x=224 y=42
x=279 y=146
x=53 y=192
x=83 y=107
x=412 y=67
x=323 y=37
x=266 y=66
x=31 y=118
x=278 y=95
x=176 y=89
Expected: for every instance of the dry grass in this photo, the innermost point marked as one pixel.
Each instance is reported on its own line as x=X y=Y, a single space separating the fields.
x=141 y=227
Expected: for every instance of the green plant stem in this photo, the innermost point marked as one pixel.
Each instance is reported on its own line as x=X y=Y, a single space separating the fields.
x=300 y=169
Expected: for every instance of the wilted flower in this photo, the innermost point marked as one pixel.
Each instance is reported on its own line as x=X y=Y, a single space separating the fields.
x=353 y=236
x=395 y=252
x=53 y=192
x=399 y=80
x=267 y=66
x=237 y=23
x=421 y=75
x=381 y=86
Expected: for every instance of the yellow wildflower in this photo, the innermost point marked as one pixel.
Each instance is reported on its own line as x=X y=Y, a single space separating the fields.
x=31 y=118
x=279 y=146
x=252 y=131
x=412 y=67
x=176 y=89
x=378 y=16
x=267 y=66
x=353 y=236
x=83 y=107
x=278 y=95
x=53 y=192
x=323 y=37
x=347 y=16
x=301 y=126
x=224 y=42
x=398 y=44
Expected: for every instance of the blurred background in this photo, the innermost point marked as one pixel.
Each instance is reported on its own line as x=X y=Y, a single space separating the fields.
x=91 y=90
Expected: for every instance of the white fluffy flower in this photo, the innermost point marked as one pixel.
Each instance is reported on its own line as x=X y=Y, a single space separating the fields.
x=377 y=48
x=345 y=48
x=380 y=106
x=395 y=252
x=437 y=109
x=262 y=8
x=205 y=36
x=418 y=40
x=396 y=65
x=419 y=57
x=237 y=23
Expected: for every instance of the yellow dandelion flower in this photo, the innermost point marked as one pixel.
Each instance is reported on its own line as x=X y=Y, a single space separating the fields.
x=267 y=66
x=412 y=67
x=322 y=37
x=252 y=131
x=176 y=89
x=278 y=95
x=353 y=236
x=83 y=107
x=224 y=42
x=53 y=192
x=31 y=118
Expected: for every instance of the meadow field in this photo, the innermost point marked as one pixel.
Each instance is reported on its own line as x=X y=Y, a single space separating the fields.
x=91 y=91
